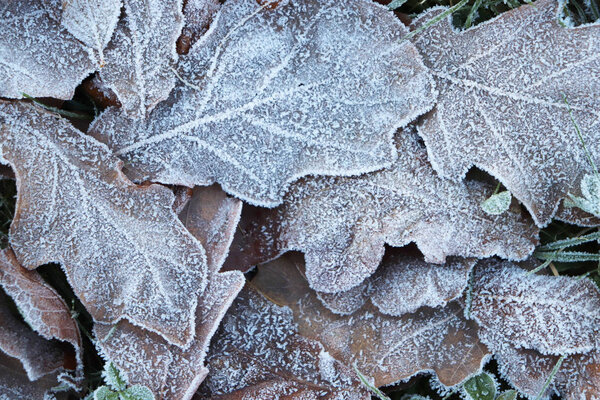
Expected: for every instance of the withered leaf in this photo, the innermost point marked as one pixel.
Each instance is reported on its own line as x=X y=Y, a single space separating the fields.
x=124 y=251
x=387 y=348
x=41 y=306
x=198 y=16
x=146 y=358
x=341 y=224
x=258 y=354
x=271 y=94
x=14 y=383
x=403 y=284
x=578 y=377
x=502 y=106
x=142 y=54
x=550 y=314
x=40 y=58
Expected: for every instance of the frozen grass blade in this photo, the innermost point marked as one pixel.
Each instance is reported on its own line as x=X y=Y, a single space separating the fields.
x=435 y=20
x=369 y=386
x=551 y=377
x=562 y=244
x=567 y=256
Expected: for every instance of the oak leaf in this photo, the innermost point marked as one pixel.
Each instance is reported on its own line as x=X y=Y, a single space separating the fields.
x=341 y=224
x=271 y=95
x=386 y=348
x=507 y=86
x=124 y=252
x=146 y=358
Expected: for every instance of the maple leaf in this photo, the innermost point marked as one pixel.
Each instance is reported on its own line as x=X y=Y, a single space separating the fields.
x=387 y=348
x=578 y=376
x=502 y=106
x=146 y=358
x=14 y=383
x=39 y=58
x=341 y=224
x=141 y=55
x=259 y=354
x=271 y=95
x=41 y=306
x=402 y=285
x=123 y=250
x=553 y=315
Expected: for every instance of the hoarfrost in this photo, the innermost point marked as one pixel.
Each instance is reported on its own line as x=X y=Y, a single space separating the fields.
x=553 y=315
x=147 y=359
x=502 y=105
x=14 y=383
x=123 y=250
x=341 y=224
x=389 y=349
x=271 y=95
x=198 y=14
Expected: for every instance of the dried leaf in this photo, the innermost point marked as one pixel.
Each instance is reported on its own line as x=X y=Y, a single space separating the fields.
x=403 y=284
x=270 y=95
x=41 y=306
x=259 y=355
x=198 y=14
x=146 y=358
x=386 y=348
x=141 y=55
x=342 y=224
x=123 y=250
x=37 y=56
x=502 y=106
x=14 y=383
x=550 y=314
x=527 y=370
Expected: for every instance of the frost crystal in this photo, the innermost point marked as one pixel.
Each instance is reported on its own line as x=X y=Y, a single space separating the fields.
x=342 y=224
x=386 y=348
x=502 y=106
x=271 y=94
x=124 y=251
x=553 y=315
x=15 y=385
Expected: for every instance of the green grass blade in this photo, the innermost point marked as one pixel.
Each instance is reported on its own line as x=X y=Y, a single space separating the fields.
x=551 y=377
x=562 y=244
x=567 y=256
x=64 y=113
x=435 y=20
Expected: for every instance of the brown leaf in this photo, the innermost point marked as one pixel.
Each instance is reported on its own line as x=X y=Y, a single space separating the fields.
x=198 y=16
x=501 y=105
x=386 y=348
x=14 y=383
x=146 y=358
x=258 y=354
x=124 y=251
x=341 y=224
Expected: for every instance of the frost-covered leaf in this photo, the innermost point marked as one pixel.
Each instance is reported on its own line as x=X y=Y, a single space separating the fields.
x=123 y=250
x=273 y=94
x=40 y=305
x=497 y=203
x=386 y=348
x=258 y=354
x=37 y=56
x=550 y=314
x=15 y=385
x=341 y=224
x=481 y=387
x=141 y=55
x=403 y=284
x=590 y=195
x=105 y=393
x=528 y=371
x=146 y=358
x=502 y=107
x=198 y=16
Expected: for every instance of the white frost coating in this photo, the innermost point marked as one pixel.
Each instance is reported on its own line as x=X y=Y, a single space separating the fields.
x=140 y=57
x=403 y=284
x=147 y=359
x=259 y=352
x=342 y=224
x=309 y=87
x=501 y=106
x=590 y=195
x=37 y=56
x=123 y=250
x=92 y=22
x=15 y=385
x=497 y=203
x=198 y=16
x=553 y=315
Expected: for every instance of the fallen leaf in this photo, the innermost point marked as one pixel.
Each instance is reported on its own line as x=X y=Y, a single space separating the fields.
x=38 y=57
x=146 y=358
x=403 y=284
x=258 y=354
x=502 y=106
x=386 y=348
x=554 y=315
x=141 y=54
x=41 y=306
x=198 y=14
x=341 y=224
x=270 y=95
x=14 y=383
x=122 y=248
